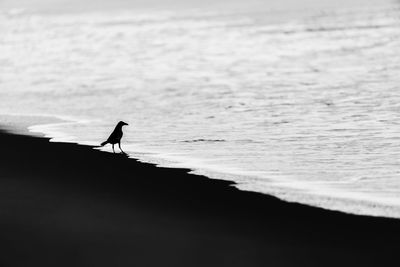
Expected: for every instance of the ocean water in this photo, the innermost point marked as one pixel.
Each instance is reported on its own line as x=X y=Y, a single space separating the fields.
x=302 y=104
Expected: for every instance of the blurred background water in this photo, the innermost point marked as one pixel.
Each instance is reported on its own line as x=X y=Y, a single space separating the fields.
x=298 y=101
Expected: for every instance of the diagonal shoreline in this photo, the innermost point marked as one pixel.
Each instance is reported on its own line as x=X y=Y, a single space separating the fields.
x=63 y=204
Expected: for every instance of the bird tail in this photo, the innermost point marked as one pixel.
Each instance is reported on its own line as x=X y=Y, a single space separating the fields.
x=104 y=143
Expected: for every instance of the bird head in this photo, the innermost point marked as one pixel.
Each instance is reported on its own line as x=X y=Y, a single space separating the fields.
x=121 y=123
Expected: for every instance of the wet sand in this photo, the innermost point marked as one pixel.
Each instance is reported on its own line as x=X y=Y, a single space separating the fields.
x=69 y=205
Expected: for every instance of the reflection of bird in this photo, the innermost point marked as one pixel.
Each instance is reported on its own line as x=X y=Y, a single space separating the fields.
x=115 y=136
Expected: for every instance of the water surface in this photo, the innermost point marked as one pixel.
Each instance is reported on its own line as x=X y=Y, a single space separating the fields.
x=301 y=105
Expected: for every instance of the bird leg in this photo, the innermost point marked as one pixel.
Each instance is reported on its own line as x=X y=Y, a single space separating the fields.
x=119 y=144
x=113 y=148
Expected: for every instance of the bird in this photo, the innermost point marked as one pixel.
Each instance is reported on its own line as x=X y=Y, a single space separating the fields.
x=115 y=136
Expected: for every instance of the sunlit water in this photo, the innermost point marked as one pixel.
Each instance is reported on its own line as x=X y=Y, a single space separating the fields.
x=306 y=108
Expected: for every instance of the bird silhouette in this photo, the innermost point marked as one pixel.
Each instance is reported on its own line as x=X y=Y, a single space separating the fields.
x=115 y=136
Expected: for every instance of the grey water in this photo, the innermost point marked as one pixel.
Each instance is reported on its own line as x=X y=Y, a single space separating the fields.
x=299 y=102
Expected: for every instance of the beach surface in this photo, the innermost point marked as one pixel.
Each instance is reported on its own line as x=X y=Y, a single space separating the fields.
x=63 y=204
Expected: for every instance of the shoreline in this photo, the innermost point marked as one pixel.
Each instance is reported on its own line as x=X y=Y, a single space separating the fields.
x=64 y=204
x=47 y=126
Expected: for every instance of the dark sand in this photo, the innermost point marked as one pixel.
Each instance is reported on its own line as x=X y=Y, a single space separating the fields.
x=70 y=205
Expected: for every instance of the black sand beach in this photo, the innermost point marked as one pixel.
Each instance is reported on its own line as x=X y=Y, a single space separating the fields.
x=69 y=205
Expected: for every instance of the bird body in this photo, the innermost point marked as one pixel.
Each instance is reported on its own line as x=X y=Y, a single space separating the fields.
x=115 y=136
